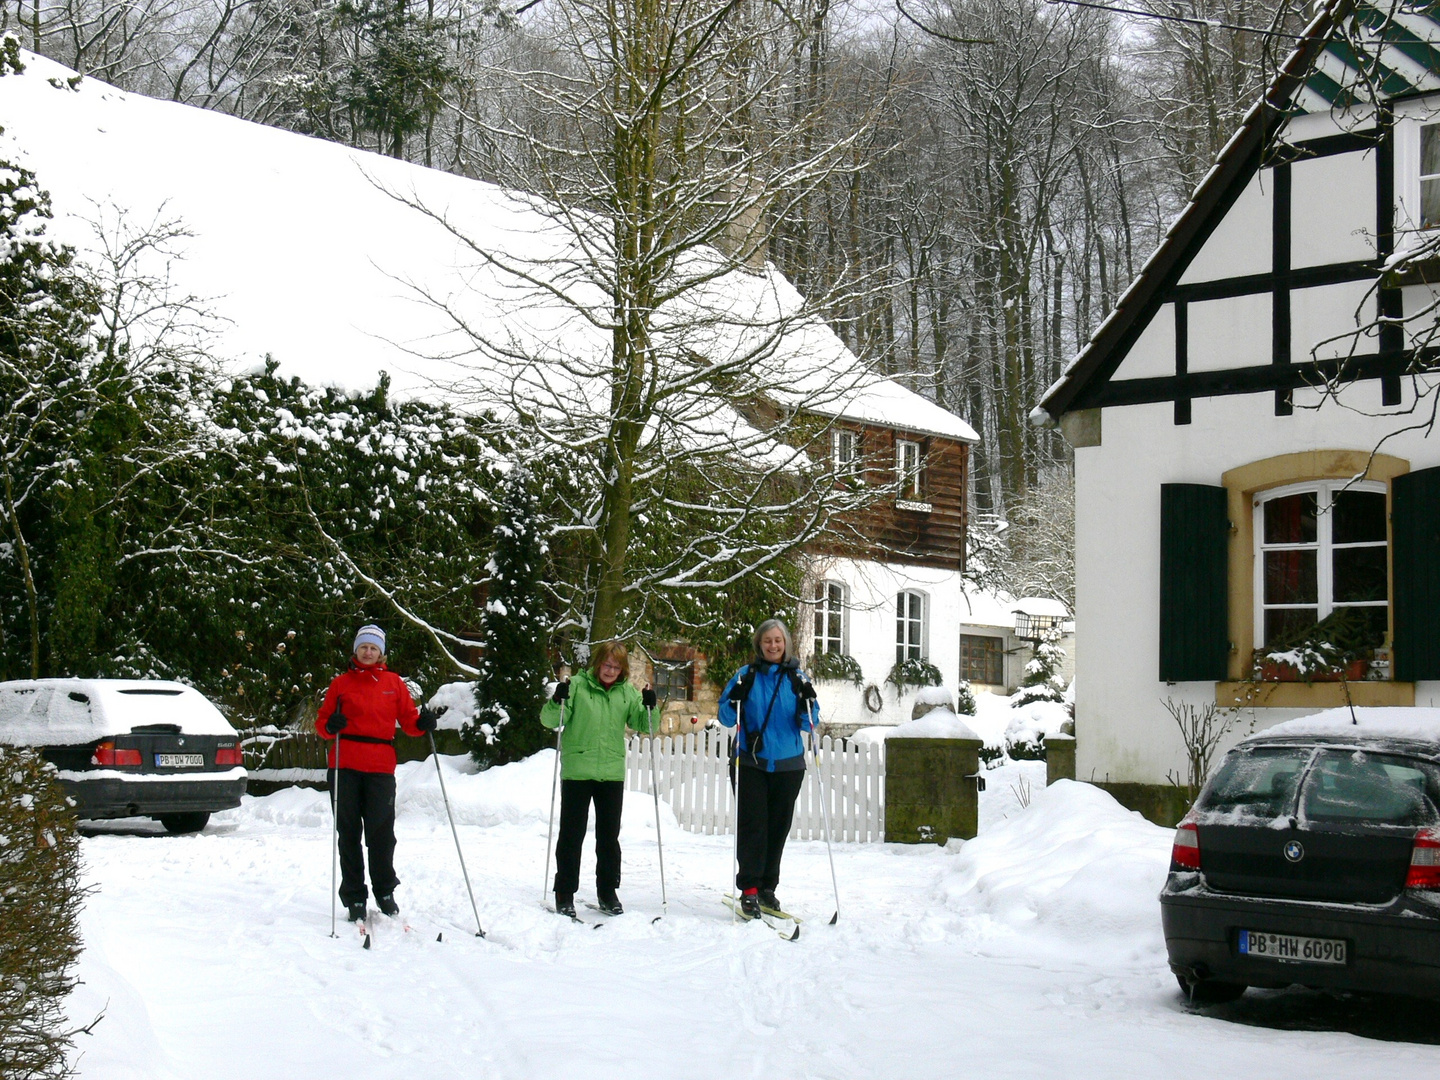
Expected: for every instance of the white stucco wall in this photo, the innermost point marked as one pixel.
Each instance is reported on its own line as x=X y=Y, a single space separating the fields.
x=870 y=617
x=1123 y=731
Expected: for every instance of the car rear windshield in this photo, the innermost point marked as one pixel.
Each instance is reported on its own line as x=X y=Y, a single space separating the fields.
x=1351 y=786
x=1256 y=781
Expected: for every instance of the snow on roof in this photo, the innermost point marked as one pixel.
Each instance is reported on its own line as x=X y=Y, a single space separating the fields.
x=67 y=712
x=987 y=607
x=320 y=256
x=1041 y=607
x=889 y=403
x=1375 y=722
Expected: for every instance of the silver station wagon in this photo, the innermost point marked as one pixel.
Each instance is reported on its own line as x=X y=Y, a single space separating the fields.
x=128 y=748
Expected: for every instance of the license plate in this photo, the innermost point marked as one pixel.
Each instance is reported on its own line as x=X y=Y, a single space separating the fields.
x=179 y=761
x=1291 y=948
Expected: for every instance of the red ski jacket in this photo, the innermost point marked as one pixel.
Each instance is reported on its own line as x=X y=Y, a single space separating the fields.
x=374 y=699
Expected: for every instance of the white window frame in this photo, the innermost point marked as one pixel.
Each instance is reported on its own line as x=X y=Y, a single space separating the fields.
x=910 y=474
x=845 y=450
x=1324 y=548
x=1422 y=177
x=828 y=604
x=905 y=619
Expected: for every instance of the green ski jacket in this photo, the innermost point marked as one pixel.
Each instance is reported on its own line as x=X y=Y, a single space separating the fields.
x=593 y=745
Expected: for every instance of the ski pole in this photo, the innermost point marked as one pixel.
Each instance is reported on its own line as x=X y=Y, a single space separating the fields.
x=734 y=763
x=335 y=832
x=824 y=811
x=440 y=775
x=554 y=783
x=655 y=790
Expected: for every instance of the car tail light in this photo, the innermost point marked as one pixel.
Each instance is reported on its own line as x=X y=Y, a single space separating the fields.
x=1425 y=861
x=229 y=755
x=107 y=754
x=1185 y=855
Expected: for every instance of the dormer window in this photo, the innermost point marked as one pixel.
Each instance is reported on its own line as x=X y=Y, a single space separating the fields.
x=1430 y=176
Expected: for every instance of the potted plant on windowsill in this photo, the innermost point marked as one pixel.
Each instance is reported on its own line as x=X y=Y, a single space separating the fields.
x=1336 y=649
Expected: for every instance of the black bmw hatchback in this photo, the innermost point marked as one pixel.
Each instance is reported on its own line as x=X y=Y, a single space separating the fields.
x=1312 y=857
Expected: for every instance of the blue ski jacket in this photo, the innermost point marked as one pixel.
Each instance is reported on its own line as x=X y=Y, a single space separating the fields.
x=781 y=748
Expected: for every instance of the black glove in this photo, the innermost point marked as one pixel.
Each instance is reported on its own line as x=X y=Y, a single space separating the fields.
x=429 y=719
x=562 y=691
x=647 y=698
x=737 y=693
x=807 y=690
x=337 y=722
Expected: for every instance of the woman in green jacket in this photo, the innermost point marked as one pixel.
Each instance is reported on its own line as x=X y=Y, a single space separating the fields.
x=602 y=704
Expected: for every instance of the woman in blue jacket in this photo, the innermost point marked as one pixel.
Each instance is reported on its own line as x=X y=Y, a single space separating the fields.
x=775 y=703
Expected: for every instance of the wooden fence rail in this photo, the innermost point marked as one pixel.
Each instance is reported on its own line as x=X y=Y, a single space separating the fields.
x=692 y=776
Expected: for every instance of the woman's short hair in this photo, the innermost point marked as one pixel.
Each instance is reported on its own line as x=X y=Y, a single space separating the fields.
x=774 y=624
x=611 y=650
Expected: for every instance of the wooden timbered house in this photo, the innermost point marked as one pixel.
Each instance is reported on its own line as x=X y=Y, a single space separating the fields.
x=1257 y=482
x=887 y=583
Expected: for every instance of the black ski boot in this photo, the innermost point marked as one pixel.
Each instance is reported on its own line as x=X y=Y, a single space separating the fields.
x=565 y=904
x=355 y=912
x=609 y=903
x=750 y=904
x=388 y=905
x=768 y=902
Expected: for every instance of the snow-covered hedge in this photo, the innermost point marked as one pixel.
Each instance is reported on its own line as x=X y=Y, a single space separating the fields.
x=40 y=897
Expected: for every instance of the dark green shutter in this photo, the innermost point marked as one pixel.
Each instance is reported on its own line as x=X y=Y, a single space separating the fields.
x=1415 y=529
x=1194 y=583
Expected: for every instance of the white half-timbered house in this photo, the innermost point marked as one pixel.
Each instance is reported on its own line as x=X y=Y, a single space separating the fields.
x=1251 y=452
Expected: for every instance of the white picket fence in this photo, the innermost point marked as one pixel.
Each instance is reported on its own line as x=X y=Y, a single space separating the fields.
x=692 y=777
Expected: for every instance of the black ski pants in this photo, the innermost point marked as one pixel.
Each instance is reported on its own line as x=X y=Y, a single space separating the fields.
x=766 y=808
x=365 y=800
x=575 y=799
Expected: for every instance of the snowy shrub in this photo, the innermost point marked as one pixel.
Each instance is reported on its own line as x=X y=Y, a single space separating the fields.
x=40 y=899
x=965 y=699
x=1042 y=680
x=841 y=667
x=912 y=672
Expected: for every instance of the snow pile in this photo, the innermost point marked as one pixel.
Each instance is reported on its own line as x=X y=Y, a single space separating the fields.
x=1031 y=722
x=455 y=702
x=935 y=697
x=936 y=724
x=1075 y=868
x=1370 y=722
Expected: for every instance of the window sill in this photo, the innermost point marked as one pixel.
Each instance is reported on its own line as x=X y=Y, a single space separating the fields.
x=916 y=507
x=1314 y=695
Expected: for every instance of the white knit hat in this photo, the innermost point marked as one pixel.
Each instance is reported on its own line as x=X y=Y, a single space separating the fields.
x=373 y=635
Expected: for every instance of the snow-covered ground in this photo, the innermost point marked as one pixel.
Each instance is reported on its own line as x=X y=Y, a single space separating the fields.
x=1034 y=950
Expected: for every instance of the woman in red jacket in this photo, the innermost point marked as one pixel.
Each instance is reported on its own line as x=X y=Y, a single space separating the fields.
x=360 y=712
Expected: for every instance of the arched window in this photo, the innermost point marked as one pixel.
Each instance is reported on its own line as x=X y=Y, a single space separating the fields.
x=829 y=617
x=1321 y=548
x=910 y=617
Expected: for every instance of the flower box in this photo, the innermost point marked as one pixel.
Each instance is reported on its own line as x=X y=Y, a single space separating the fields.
x=1278 y=671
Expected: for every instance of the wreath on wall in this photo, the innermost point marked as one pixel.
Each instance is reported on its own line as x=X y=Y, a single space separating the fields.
x=874 y=700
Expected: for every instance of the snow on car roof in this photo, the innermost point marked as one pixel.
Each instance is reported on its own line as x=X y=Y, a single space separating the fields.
x=1369 y=722
x=67 y=712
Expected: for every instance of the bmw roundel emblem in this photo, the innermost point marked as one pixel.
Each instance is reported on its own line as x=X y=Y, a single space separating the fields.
x=1294 y=851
